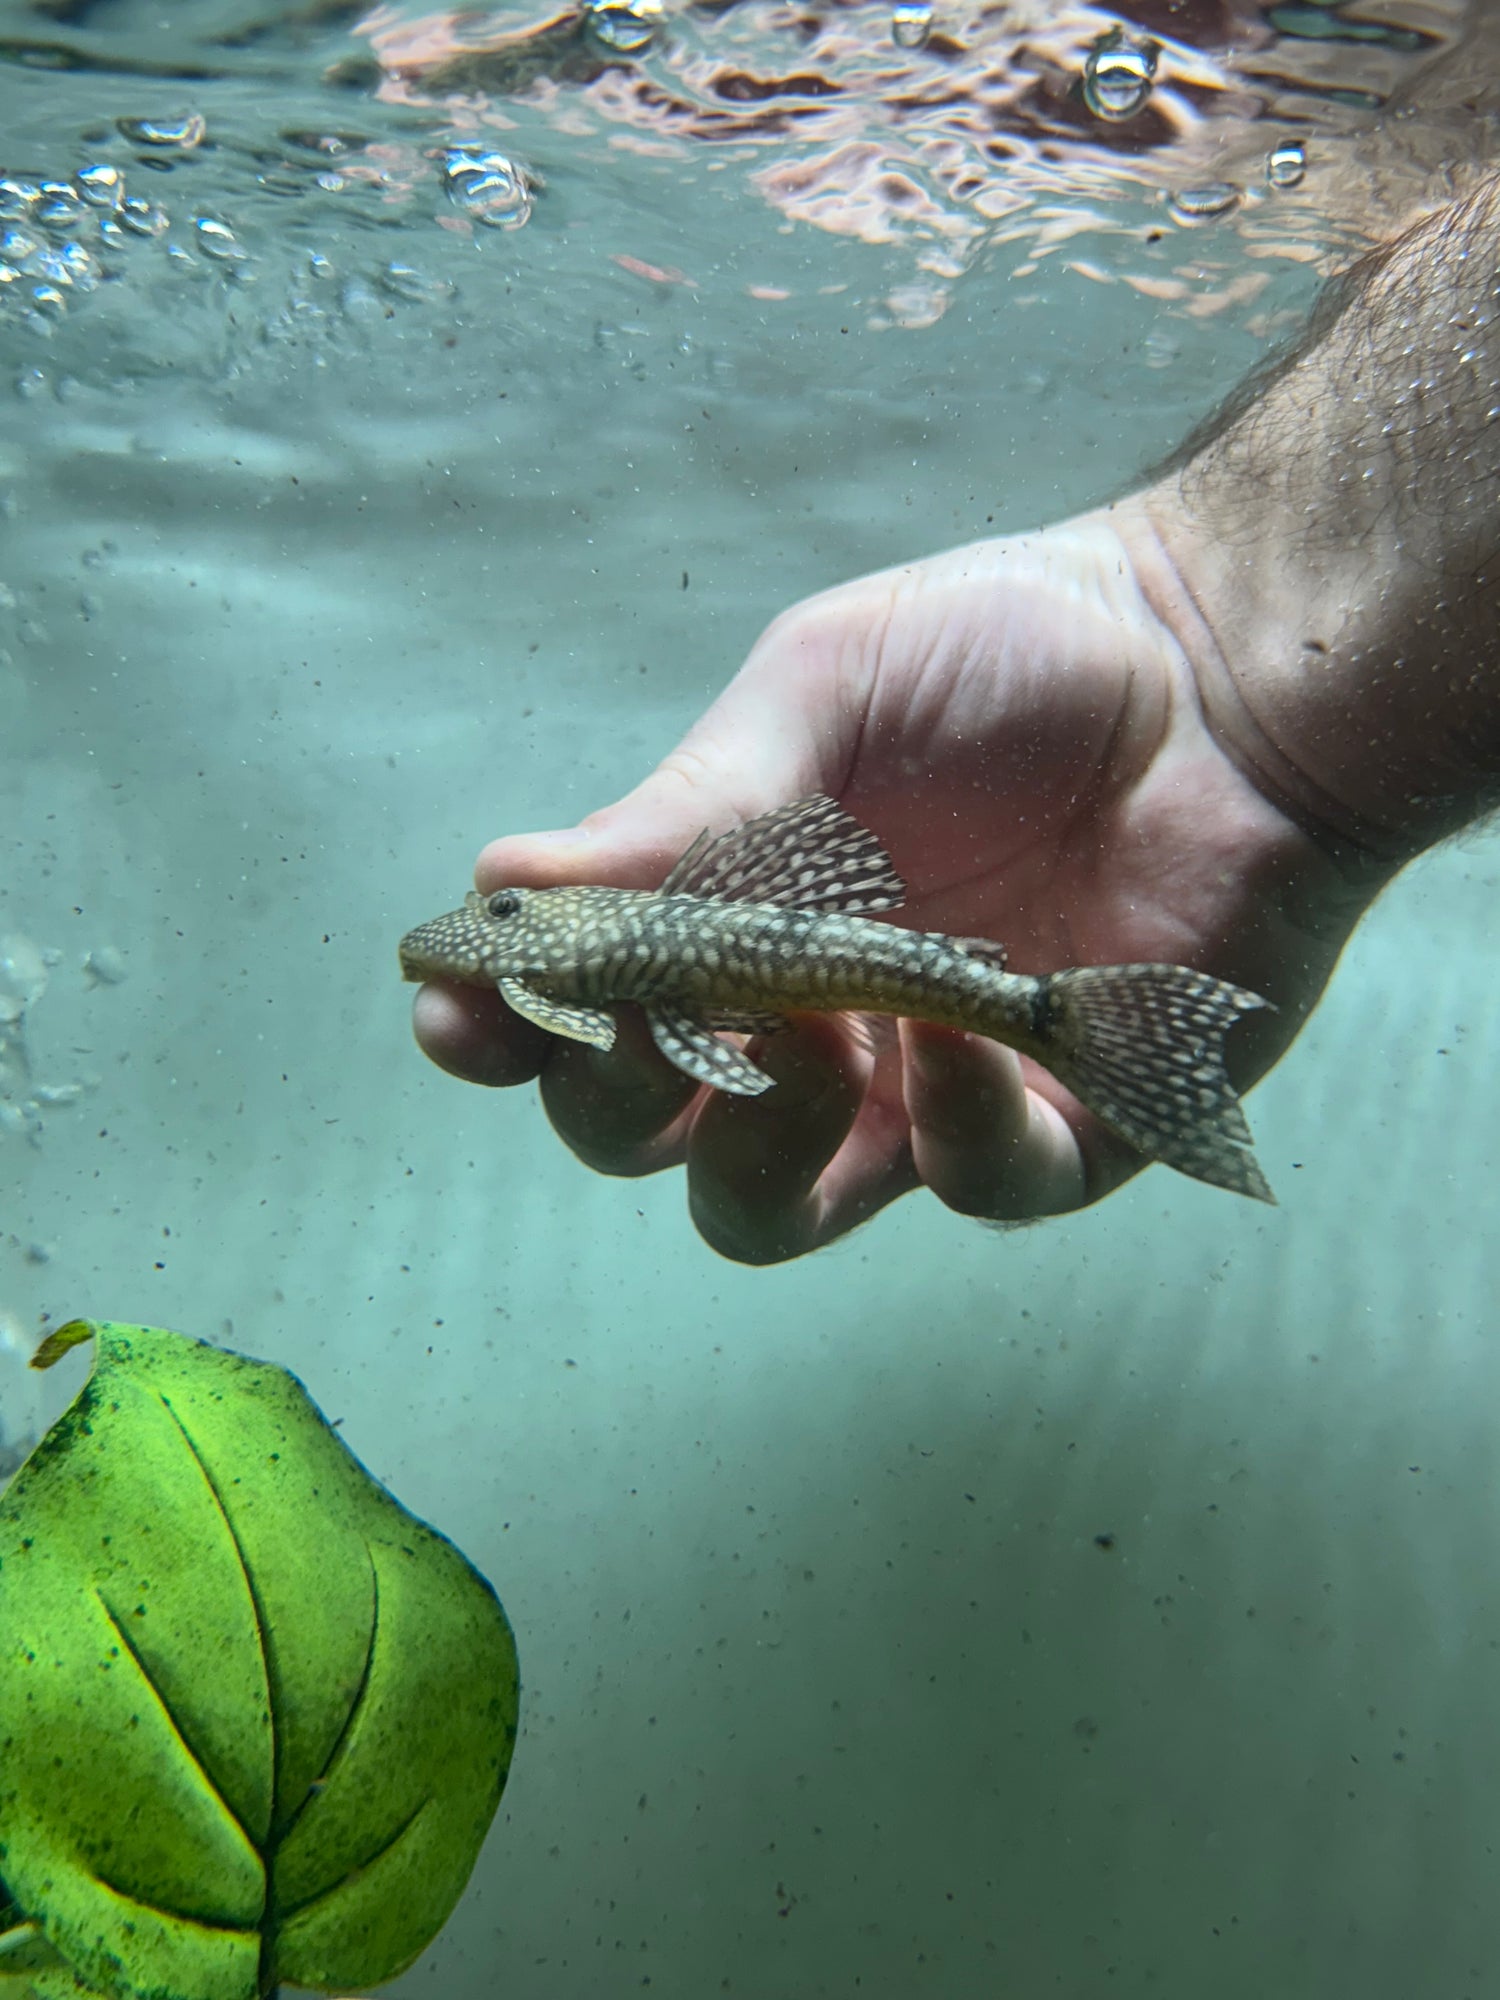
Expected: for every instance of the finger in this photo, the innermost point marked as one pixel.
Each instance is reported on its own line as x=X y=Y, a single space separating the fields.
x=758 y=746
x=470 y=1032
x=622 y=1112
x=985 y=1144
x=633 y=843
x=755 y=1163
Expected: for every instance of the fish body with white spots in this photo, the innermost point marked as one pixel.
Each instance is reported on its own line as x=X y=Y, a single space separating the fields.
x=771 y=919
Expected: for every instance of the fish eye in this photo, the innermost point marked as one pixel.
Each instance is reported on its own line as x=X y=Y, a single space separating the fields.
x=504 y=903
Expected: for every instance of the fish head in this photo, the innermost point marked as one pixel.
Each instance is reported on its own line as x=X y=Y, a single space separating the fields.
x=476 y=945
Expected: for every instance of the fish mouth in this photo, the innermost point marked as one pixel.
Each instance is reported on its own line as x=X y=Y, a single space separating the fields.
x=412 y=966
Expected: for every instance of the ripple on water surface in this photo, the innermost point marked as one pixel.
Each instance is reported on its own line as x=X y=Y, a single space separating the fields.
x=270 y=180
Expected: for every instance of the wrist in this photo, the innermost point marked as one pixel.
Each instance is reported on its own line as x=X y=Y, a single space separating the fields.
x=1325 y=557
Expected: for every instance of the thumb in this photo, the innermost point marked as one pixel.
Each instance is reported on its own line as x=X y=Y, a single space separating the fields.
x=742 y=758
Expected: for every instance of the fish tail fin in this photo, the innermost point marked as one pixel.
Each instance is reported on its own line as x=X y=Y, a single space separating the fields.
x=1142 y=1047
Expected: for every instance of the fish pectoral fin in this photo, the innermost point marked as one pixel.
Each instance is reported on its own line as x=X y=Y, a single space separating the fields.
x=698 y=1053
x=810 y=855
x=559 y=1017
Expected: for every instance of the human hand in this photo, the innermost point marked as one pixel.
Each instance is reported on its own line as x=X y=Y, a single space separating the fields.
x=1022 y=731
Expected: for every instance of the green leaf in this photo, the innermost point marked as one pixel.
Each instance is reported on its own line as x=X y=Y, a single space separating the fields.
x=254 y=1717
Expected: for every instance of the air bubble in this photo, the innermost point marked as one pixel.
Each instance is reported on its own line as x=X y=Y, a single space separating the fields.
x=101 y=185
x=69 y=265
x=487 y=186
x=218 y=240
x=182 y=132
x=623 y=27
x=911 y=24
x=1203 y=204
x=403 y=282
x=17 y=199
x=60 y=205
x=105 y=965
x=142 y=217
x=1161 y=349
x=23 y=975
x=1119 y=74
x=1286 y=164
x=331 y=144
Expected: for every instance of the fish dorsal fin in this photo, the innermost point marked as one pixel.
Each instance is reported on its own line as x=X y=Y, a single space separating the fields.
x=809 y=855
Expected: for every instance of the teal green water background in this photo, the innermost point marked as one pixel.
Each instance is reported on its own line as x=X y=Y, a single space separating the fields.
x=829 y=1686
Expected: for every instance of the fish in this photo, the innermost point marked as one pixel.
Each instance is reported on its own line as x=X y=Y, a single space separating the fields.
x=775 y=917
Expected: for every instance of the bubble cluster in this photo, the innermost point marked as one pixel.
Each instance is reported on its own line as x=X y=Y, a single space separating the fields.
x=59 y=240
x=25 y=970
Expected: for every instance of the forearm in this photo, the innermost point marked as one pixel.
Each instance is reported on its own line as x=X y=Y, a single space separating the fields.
x=1329 y=556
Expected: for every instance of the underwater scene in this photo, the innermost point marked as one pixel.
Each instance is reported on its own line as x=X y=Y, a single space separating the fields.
x=773 y=1577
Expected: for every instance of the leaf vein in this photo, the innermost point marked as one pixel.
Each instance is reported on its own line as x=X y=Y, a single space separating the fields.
x=171 y=1720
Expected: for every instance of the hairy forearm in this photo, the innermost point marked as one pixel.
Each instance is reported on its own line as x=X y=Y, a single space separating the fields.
x=1329 y=552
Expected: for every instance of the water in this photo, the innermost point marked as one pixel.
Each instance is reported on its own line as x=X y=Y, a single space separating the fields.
x=410 y=458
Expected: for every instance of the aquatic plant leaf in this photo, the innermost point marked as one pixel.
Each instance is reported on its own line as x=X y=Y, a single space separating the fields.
x=31 y=1969
x=254 y=1717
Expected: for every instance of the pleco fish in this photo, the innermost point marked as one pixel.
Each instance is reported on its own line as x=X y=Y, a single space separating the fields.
x=767 y=920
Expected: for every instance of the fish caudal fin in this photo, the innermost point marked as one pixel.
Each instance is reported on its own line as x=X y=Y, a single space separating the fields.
x=1142 y=1047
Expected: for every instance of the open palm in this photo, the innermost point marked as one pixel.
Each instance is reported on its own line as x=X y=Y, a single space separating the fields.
x=1022 y=730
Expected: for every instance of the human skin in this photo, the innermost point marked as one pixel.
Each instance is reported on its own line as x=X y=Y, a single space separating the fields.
x=1204 y=725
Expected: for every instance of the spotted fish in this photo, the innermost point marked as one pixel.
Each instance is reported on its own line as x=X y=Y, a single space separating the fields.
x=772 y=919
